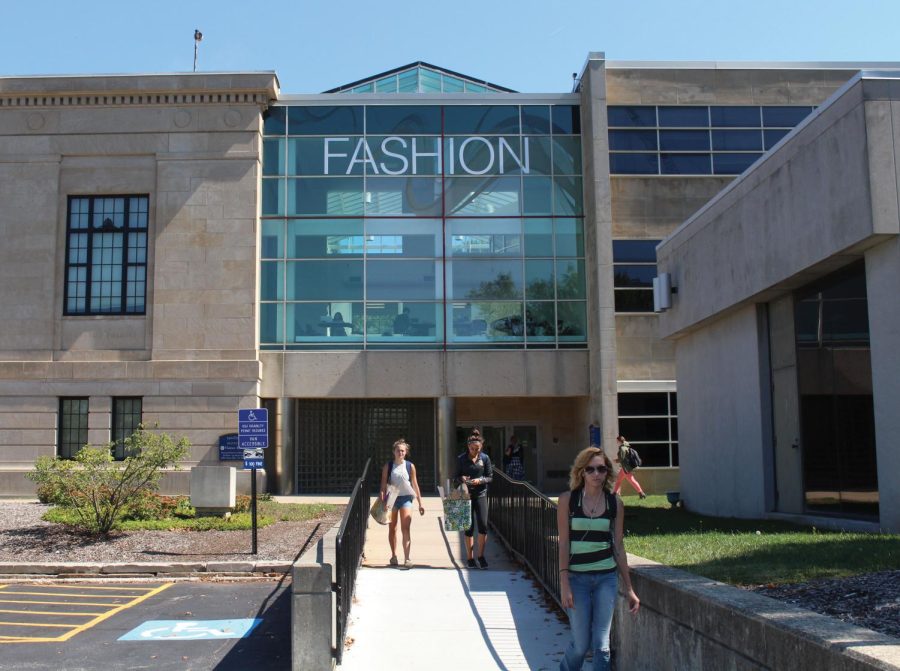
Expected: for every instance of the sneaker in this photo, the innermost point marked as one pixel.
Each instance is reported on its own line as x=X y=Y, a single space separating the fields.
x=393 y=561
x=482 y=562
x=643 y=496
x=408 y=564
x=471 y=563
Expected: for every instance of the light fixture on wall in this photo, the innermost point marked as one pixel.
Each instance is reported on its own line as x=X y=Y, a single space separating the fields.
x=662 y=292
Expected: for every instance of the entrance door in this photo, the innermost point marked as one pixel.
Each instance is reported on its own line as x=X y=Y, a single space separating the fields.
x=496 y=438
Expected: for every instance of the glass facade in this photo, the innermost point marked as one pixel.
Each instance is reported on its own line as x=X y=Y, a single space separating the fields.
x=422 y=226
x=695 y=140
x=649 y=421
x=420 y=79
x=72 y=427
x=634 y=265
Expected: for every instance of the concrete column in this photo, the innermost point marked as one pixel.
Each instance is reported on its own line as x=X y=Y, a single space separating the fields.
x=285 y=446
x=882 y=280
x=446 y=439
x=598 y=249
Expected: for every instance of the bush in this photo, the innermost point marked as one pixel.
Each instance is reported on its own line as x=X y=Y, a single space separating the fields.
x=152 y=506
x=240 y=522
x=100 y=491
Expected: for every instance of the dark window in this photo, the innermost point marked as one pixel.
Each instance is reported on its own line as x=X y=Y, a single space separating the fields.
x=734 y=117
x=737 y=140
x=634 y=267
x=632 y=115
x=684 y=140
x=106 y=255
x=403 y=120
x=648 y=421
x=785 y=117
x=481 y=119
x=684 y=117
x=126 y=418
x=634 y=164
x=275 y=121
x=684 y=164
x=536 y=119
x=733 y=164
x=73 y=426
x=325 y=120
x=771 y=137
x=566 y=119
x=632 y=140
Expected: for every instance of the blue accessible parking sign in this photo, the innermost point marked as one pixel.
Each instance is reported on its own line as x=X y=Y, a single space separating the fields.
x=253 y=428
x=191 y=630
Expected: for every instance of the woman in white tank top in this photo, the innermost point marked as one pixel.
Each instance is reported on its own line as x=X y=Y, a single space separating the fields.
x=400 y=475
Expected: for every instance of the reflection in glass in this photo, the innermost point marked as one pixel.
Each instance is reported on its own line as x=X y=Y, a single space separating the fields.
x=273 y=157
x=271 y=322
x=537 y=196
x=484 y=237
x=486 y=321
x=566 y=119
x=536 y=119
x=272 y=239
x=540 y=321
x=569 y=237
x=272 y=196
x=488 y=279
x=342 y=196
x=403 y=237
x=570 y=279
x=391 y=321
x=306 y=156
x=271 y=281
x=567 y=196
x=325 y=120
x=324 y=280
x=324 y=321
x=538 y=237
x=567 y=155
x=274 y=120
x=482 y=195
x=316 y=238
x=539 y=280
x=417 y=196
x=571 y=321
x=403 y=280
x=481 y=119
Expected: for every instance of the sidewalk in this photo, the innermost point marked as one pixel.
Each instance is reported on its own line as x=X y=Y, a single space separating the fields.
x=439 y=615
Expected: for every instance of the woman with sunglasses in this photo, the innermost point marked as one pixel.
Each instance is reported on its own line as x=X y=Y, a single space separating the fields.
x=589 y=517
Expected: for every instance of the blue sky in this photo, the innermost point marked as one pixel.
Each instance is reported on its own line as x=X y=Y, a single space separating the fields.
x=526 y=45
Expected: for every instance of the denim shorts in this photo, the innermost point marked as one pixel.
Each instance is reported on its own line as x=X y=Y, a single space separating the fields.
x=403 y=502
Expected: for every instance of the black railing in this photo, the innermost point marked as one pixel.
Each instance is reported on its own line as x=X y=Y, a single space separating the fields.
x=525 y=520
x=351 y=538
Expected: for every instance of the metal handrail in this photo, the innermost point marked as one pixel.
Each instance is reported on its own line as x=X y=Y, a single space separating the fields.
x=349 y=544
x=525 y=520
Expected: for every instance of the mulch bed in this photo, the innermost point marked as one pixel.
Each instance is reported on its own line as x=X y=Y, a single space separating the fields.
x=24 y=537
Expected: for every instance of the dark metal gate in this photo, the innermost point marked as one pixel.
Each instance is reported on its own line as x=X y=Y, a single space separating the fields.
x=336 y=436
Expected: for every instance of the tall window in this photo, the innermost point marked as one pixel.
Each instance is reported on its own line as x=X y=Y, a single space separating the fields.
x=73 y=426
x=634 y=264
x=126 y=419
x=649 y=421
x=106 y=255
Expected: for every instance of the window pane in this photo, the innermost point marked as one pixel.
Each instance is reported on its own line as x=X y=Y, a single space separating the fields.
x=273 y=157
x=403 y=238
x=392 y=155
x=570 y=278
x=387 y=322
x=452 y=84
x=683 y=116
x=481 y=119
x=653 y=454
x=735 y=116
x=429 y=82
x=272 y=239
x=684 y=164
x=326 y=195
x=271 y=281
x=784 y=116
x=402 y=280
x=572 y=321
x=482 y=195
x=403 y=120
x=539 y=280
x=538 y=155
x=633 y=164
x=540 y=321
x=491 y=155
x=632 y=140
x=539 y=237
x=733 y=164
x=737 y=140
x=684 y=140
x=632 y=115
x=486 y=321
x=567 y=196
x=536 y=119
x=311 y=238
x=567 y=155
x=272 y=196
x=640 y=429
x=771 y=137
x=274 y=120
x=325 y=120
x=325 y=280
x=478 y=237
x=634 y=250
x=569 y=237
x=650 y=403
x=408 y=82
x=324 y=322
x=418 y=196
x=634 y=300
x=566 y=119
x=634 y=276
x=386 y=84
x=493 y=279
x=537 y=196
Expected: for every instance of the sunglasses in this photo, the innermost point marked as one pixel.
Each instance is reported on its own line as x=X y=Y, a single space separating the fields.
x=595 y=469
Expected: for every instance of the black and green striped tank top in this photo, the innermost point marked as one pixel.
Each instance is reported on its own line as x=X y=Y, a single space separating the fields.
x=590 y=538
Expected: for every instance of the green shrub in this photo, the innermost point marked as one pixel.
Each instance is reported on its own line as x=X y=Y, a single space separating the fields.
x=100 y=491
x=240 y=522
x=241 y=504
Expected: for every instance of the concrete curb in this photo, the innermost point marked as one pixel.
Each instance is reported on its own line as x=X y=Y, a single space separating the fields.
x=135 y=569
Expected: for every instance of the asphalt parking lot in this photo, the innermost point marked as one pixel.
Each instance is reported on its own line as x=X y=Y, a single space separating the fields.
x=145 y=625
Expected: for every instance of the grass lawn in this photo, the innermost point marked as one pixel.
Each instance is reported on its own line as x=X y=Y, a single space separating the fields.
x=268 y=512
x=751 y=552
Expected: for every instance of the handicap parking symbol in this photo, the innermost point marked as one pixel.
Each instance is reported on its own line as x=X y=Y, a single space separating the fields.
x=191 y=630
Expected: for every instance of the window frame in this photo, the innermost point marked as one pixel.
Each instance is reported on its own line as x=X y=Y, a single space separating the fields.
x=127 y=230
x=671 y=418
x=65 y=450
x=618 y=291
x=117 y=436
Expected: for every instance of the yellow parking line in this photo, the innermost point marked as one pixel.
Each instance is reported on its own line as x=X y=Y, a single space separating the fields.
x=49 y=612
x=113 y=609
x=132 y=589
x=60 y=603
x=74 y=596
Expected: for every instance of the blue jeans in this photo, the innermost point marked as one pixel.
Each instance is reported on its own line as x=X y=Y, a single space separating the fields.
x=590 y=619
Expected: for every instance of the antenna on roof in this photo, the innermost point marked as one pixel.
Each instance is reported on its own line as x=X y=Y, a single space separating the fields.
x=198 y=37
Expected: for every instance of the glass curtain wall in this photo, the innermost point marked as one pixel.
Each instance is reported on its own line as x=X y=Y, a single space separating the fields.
x=423 y=227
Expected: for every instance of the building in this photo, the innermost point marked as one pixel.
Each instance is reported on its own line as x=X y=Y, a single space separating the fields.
x=410 y=254
x=785 y=322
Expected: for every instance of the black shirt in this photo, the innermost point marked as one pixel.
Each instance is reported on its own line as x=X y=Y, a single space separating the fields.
x=480 y=469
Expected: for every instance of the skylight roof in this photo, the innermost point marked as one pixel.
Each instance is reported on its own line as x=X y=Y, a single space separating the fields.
x=420 y=77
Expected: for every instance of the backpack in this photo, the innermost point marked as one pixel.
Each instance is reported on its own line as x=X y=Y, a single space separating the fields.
x=631 y=459
x=390 y=467
x=611 y=504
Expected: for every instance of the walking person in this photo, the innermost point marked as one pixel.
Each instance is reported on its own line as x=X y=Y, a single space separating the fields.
x=401 y=474
x=515 y=459
x=589 y=518
x=473 y=467
x=624 y=470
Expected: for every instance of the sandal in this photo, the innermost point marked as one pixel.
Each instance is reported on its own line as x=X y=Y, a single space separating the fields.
x=393 y=561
